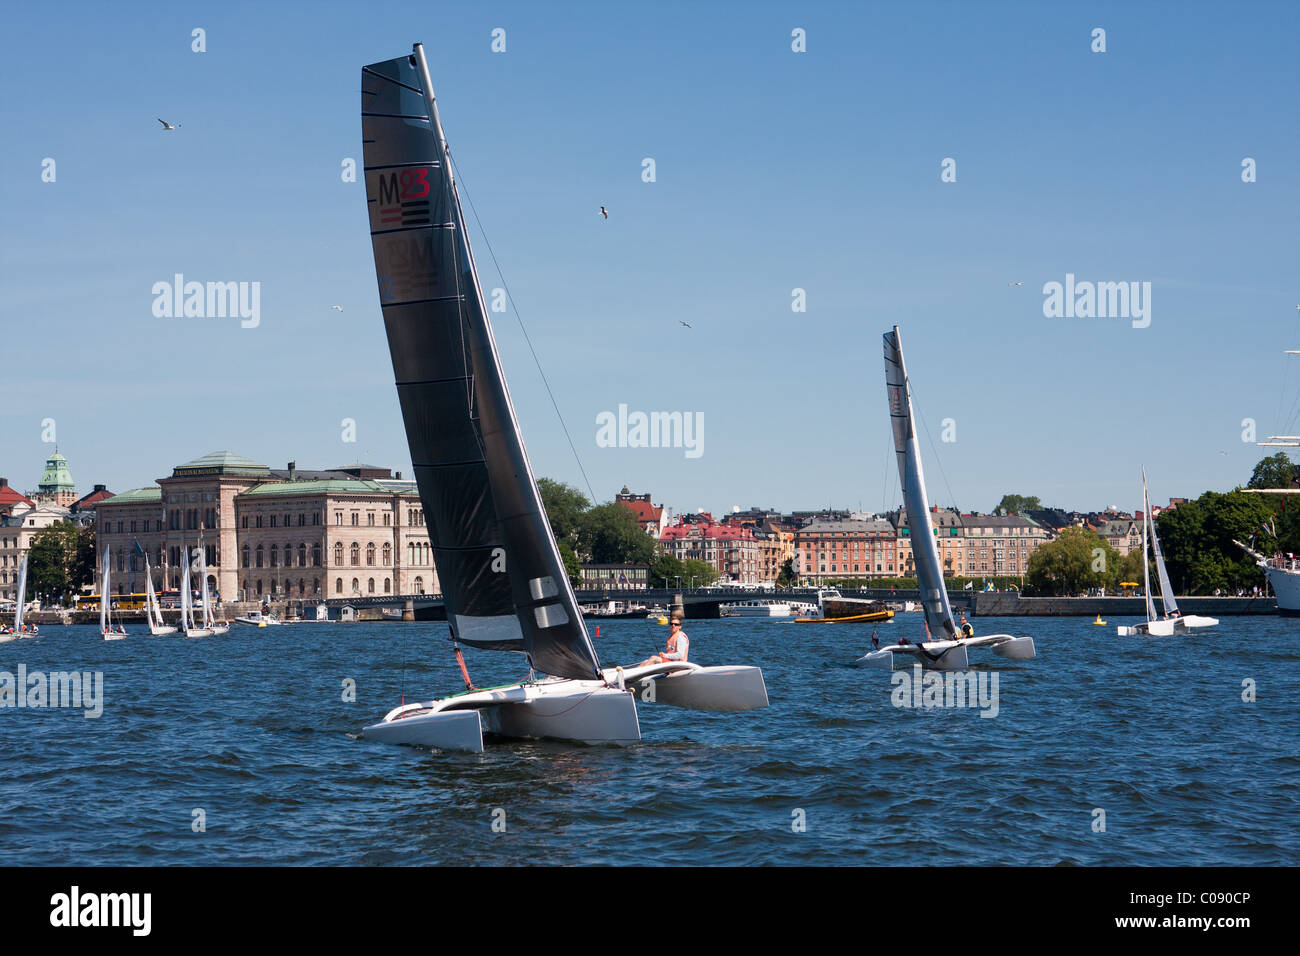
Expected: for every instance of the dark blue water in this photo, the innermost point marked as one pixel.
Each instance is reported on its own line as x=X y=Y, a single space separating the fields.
x=252 y=730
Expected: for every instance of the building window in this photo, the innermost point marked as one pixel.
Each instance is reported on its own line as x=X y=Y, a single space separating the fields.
x=388 y=586
x=370 y=586
x=356 y=586
x=338 y=554
x=356 y=519
x=302 y=555
x=370 y=555
x=259 y=555
x=370 y=518
x=419 y=584
x=315 y=555
x=338 y=586
x=275 y=556
x=388 y=554
x=355 y=554
x=338 y=517
x=244 y=562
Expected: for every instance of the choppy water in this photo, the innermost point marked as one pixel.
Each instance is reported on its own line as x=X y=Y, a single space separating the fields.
x=252 y=729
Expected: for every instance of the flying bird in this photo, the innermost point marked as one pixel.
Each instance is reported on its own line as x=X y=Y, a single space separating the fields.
x=1015 y=283
x=603 y=213
x=337 y=308
x=685 y=323
x=167 y=125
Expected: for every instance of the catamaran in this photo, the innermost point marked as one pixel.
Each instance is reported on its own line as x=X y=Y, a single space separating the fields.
x=949 y=652
x=153 y=610
x=1172 y=621
x=503 y=581
x=105 y=604
x=17 y=632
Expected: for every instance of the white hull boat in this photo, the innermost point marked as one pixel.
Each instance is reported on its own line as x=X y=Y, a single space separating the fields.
x=581 y=711
x=951 y=651
x=1173 y=621
x=16 y=633
x=756 y=609
x=153 y=611
x=504 y=583
x=106 y=628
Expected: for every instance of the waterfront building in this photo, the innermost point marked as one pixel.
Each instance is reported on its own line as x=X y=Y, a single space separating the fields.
x=56 y=485
x=353 y=531
x=733 y=551
x=11 y=499
x=833 y=548
x=1000 y=544
x=17 y=529
x=651 y=517
x=615 y=577
x=948 y=536
x=1122 y=534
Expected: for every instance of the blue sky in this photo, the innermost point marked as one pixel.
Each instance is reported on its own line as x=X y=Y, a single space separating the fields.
x=775 y=171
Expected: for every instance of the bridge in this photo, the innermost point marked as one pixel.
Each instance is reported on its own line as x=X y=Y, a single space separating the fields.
x=697 y=603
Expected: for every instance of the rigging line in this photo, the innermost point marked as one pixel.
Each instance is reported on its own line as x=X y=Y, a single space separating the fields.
x=952 y=499
x=514 y=308
x=1286 y=368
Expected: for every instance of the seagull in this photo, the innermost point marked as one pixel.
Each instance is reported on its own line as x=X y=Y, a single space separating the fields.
x=685 y=323
x=1015 y=283
x=603 y=213
x=337 y=308
x=167 y=125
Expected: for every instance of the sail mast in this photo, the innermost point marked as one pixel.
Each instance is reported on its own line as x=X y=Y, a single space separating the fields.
x=934 y=594
x=1146 y=570
x=22 y=595
x=1162 y=575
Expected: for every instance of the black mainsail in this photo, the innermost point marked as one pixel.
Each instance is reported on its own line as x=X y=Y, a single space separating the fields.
x=502 y=578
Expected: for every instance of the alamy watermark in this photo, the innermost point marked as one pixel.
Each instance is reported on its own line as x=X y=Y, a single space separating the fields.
x=923 y=688
x=75 y=689
x=1098 y=300
x=211 y=300
x=651 y=430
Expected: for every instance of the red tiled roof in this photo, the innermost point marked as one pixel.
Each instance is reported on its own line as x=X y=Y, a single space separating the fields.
x=88 y=501
x=643 y=510
x=9 y=497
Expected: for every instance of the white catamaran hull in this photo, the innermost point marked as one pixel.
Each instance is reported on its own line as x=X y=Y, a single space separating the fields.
x=590 y=712
x=950 y=655
x=1167 y=626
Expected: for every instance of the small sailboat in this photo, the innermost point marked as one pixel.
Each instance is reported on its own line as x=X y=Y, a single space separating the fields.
x=209 y=621
x=7 y=635
x=949 y=652
x=106 y=627
x=153 y=610
x=1172 y=621
x=189 y=626
x=503 y=581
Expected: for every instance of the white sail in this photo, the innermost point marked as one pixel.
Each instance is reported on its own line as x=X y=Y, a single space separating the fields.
x=187 y=615
x=1166 y=589
x=22 y=595
x=207 y=598
x=1146 y=571
x=934 y=595
x=103 y=593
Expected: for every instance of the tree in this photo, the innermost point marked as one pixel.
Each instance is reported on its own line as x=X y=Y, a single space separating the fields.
x=1018 y=504
x=572 y=566
x=667 y=571
x=82 y=570
x=50 y=561
x=787 y=576
x=698 y=573
x=565 y=505
x=1196 y=538
x=610 y=534
x=1275 y=471
x=1077 y=560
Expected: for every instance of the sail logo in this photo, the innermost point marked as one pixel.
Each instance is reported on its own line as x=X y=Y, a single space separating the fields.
x=947 y=689
x=404 y=197
x=208 y=300
x=651 y=430
x=1098 y=300
x=72 y=690
x=75 y=909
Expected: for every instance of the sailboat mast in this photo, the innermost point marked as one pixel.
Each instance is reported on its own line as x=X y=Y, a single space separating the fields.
x=1146 y=570
x=1162 y=574
x=547 y=602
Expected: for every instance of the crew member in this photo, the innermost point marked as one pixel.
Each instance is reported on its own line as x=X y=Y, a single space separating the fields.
x=678 y=645
x=966 y=629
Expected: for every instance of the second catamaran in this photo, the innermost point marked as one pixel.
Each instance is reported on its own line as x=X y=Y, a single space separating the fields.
x=944 y=648
x=503 y=581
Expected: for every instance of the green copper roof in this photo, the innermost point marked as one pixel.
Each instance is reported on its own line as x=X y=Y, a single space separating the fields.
x=136 y=496
x=329 y=486
x=221 y=463
x=56 y=476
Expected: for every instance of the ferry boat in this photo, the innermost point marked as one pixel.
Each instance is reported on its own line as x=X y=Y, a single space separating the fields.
x=832 y=607
x=757 y=608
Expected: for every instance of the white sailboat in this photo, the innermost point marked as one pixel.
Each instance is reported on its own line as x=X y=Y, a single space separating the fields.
x=12 y=635
x=105 y=603
x=209 y=621
x=949 y=652
x=1172 y=621
x=188 y=625
x=153 y=611
x=503 y=581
